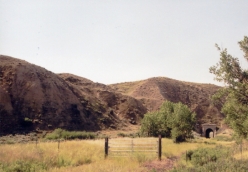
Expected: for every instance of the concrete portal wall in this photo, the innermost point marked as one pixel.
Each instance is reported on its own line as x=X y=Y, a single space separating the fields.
x=205 y=127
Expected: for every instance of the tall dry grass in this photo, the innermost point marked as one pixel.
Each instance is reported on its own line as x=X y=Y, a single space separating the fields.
x=85 y=155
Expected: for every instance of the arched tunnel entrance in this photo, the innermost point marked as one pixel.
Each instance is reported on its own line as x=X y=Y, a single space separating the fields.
x=209 y=133
x=208 y=130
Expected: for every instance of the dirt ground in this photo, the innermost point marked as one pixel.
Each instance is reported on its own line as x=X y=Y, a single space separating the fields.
x=161 y=166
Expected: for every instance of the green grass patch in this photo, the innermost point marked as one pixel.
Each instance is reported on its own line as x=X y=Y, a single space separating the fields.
x=223 y=138
x=131 y=135
x=23 y=166
x=70 y=135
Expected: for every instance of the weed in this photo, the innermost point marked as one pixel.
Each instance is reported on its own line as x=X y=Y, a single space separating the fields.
x=121 y=134
x=168 y=154
x=141 y=158
x=206 y=142
x=10 y=142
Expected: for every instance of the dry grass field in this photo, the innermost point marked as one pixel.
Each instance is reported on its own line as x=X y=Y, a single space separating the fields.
x=88 y=156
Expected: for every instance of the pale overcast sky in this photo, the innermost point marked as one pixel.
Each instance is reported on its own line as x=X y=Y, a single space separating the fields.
x=112 y=41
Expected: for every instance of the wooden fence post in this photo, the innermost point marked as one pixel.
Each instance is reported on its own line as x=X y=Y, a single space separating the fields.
x=132 y=145
x=106 y=147
x=159 y=147
x=58 y=143
x=186 y=156
x=241 y=148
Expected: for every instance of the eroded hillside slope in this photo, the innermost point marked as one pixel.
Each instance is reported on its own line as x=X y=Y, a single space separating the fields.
x=33 y=98
x=154 y=91
x=103 y=98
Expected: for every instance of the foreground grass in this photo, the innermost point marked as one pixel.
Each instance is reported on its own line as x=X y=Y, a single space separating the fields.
x=86 y=155
x=171 y=149
x=46 y=156
x=225 y=156
x=219 y=158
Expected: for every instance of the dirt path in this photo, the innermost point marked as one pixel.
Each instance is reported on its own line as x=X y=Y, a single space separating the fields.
x=163 y=165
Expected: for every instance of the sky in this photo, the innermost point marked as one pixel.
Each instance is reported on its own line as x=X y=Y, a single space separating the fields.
x=113 y=41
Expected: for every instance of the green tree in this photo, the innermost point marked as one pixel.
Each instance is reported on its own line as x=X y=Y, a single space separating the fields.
x=150 y=124
x=234 y=96
x=173 y=120
x=182 y=122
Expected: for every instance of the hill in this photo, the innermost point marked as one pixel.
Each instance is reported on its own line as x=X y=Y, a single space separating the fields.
x=154 y=91
x=35 y=99
x=125 y=109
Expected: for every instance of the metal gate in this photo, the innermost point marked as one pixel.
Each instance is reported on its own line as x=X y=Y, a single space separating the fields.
x=123 y=147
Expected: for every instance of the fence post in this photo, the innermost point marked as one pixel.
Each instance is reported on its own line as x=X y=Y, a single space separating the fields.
x=241 y=148
x=58 y=143
x=106 y=147
x=132 y=145
x=36 y=142
x=159 y=147
x=186 y=156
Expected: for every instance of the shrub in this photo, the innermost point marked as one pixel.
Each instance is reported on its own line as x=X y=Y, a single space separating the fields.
x=225 y=165
x=26 y=119
x=63 y=134
x=189 y=154
x=203 y=156
x=212 y=159
x=121 y=134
